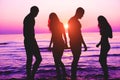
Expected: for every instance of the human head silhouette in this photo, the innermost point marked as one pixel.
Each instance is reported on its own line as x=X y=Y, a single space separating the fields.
x=104 y=26
x=102 y=23
x=53 y=19
x=102 y=19
x=79 y=12
x=34 y=11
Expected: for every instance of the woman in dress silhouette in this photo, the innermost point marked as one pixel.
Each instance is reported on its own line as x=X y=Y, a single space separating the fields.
x=105 y=32
x=59 y=41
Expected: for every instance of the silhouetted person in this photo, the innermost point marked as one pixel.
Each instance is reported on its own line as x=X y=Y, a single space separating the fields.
x=105 y=32
x=59 y=41
x=30 y=43
x=76 y=40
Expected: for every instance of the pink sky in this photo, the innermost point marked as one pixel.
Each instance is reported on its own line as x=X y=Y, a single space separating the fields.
x=13 y=12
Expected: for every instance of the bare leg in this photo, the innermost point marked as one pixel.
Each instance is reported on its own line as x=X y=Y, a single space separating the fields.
x=61 y=63
x=57 y=59
x=104 y=67
x=74 y=68
x=38 y=60
x=63 y=69
x=57 y=65
x=76 y=56
x=103 y=62
x=28 y=66
x=29 y=58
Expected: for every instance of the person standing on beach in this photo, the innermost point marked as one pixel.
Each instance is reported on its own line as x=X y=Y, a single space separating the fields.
x=105 y=32
x=76 y=40
x=59 y=41
x=30 y=43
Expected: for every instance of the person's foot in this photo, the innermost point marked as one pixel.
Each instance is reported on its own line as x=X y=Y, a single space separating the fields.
x=106 y=77
x=29 y=78
x=59 y=77
x=73 y=77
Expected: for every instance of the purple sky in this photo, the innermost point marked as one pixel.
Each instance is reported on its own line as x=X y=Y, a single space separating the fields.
x=13 y=12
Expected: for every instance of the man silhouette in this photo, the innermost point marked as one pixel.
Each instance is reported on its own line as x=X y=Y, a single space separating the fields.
x=30 y=43
x=76 y=40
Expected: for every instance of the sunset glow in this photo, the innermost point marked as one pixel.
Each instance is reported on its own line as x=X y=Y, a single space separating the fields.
x=13 y=12
x=66 y=26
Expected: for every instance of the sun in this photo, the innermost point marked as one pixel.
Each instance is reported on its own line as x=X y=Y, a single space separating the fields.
x=66 y=26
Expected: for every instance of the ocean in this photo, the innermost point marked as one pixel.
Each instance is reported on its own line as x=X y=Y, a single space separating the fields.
x=13 y=58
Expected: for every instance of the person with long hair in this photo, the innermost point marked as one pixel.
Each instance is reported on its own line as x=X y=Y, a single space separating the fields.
x=59 y=41
x=76 y=40
x=105 y=32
